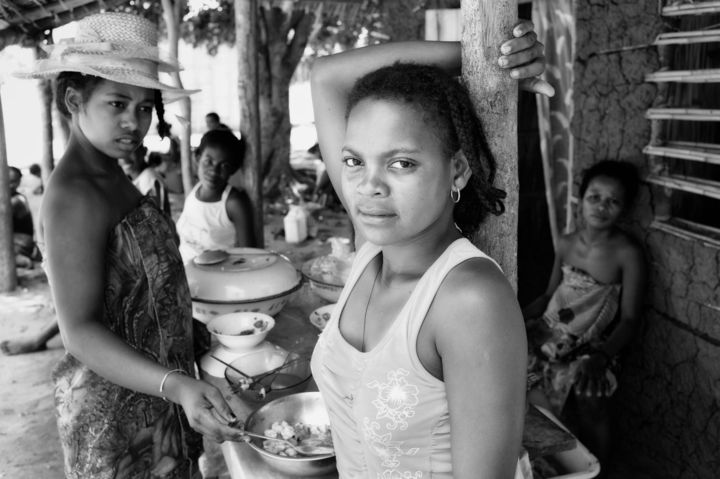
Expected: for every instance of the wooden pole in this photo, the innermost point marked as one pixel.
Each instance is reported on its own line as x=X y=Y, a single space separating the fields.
x=494 y=95
x=47 y=161
x=8 y=275
x=171 y=14
x=246 y=34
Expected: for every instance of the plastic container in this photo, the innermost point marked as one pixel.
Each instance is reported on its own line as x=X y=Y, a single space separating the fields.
x=295 y=224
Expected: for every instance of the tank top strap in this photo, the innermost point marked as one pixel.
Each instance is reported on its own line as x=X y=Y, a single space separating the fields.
x=226 y=193
x=422 y=297
x=363 y=256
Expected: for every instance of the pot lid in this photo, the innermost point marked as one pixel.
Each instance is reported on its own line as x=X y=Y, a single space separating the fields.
x=242 y=275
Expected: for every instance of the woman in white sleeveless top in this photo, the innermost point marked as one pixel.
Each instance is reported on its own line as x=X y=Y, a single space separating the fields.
x=216 y=215
x=422 y=365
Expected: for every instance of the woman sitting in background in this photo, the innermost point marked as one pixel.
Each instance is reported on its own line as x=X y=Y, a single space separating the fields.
x=590 y=308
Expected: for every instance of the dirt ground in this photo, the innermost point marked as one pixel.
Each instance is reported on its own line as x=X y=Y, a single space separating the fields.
x=29 y=445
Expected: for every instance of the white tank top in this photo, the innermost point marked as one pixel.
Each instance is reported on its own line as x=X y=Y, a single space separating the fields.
x=204 y=226
x=388 y=414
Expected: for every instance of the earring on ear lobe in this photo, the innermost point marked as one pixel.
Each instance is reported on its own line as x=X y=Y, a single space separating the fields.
x=455 y=194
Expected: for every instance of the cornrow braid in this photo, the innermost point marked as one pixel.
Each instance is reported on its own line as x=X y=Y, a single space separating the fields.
x=163 y=127
x=472 y=142
x=445 y=105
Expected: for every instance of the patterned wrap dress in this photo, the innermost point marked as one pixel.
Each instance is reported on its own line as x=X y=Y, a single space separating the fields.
x=576 y=320
x=108 y=431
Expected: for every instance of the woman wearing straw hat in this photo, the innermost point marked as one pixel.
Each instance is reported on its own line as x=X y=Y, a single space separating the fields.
x=128 y=403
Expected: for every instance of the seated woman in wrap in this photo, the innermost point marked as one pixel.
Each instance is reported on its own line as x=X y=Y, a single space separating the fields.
x=590 y=309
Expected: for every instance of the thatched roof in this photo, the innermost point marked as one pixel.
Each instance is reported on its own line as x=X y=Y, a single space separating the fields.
x=23 y=21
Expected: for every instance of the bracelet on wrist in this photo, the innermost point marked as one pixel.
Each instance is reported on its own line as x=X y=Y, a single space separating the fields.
x=167 y=374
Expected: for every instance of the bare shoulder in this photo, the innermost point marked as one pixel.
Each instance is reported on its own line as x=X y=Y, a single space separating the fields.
x=566 y=241
x=238 y=205
x=238 y=197
x=629 y=249
x=75 y=202
x=473 y=289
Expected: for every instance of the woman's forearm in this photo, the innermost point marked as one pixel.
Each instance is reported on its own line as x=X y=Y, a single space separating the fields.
x=344 y=68
x=107 y=355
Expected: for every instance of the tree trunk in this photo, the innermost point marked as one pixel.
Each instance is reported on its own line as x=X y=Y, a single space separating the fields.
x=8 y=275
x=284 y=33
x=494 y=95
x=172 y=11
x=251 y=124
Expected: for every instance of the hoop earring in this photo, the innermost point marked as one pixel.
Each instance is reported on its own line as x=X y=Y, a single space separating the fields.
x=453 y=191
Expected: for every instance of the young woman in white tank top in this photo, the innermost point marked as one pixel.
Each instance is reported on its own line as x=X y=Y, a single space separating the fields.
x=216 y=215
x=422 y=365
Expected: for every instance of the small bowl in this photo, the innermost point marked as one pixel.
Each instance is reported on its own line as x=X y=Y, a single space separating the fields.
x=291 y=379
x=328 y=292
x=327 y=275
x=306 y=407
x=320 y=317
x=241 y=331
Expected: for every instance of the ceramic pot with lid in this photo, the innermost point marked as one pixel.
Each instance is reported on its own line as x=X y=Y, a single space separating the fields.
x=240 y=279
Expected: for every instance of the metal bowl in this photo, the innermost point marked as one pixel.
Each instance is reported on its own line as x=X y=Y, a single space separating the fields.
x=308 y=408
x=243 y=280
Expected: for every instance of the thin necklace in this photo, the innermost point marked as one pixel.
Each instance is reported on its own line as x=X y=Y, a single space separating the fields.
x=367 y=306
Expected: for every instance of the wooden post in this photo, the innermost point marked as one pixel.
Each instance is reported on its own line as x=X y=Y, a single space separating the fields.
x=246 y=35
x=494 y=94
x=172 y=9
x=47 y=162
x=8 y=275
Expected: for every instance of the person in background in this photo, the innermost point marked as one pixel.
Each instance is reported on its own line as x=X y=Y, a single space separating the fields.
x=422 y=364
x=212 y=122
x=140 y=169
x=590 y=309
x=216 y=215
x=128 y=401
x=36 y=173
x=26 y=251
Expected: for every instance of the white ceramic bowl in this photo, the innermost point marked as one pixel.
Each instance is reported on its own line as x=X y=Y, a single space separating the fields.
x=247 y=280
x=241 y=331
x=320 y=317
x=306 y=407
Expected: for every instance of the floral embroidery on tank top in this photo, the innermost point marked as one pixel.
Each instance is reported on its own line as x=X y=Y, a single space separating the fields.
x=395 y=403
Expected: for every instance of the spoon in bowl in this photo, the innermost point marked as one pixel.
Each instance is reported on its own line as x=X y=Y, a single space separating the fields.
x=304 y=449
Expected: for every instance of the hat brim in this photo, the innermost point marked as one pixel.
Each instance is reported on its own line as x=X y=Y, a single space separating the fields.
x=47 y=69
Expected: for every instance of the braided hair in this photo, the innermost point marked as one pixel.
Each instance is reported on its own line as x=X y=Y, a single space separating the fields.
x=86 y=84
x=446 y=106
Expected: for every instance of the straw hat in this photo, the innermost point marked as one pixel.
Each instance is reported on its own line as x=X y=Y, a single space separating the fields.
x=116 y=46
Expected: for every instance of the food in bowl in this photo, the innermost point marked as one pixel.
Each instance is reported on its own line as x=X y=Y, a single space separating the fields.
x=320 y=317
x=268 y=374
x=241 y=331
x=327 y=275
x=328 y=269
x=299 y=433
x=306 y=408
